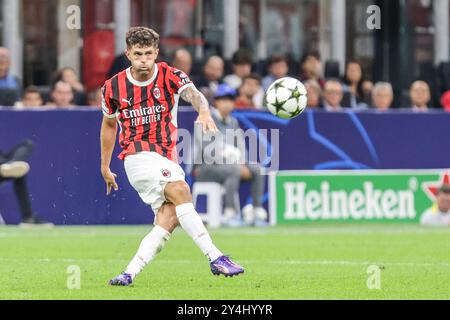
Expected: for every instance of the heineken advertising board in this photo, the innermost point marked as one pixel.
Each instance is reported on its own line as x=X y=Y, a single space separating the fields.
x=353 y=196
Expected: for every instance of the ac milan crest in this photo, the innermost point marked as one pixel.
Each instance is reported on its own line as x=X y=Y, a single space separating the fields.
x=157 y=93
x=166 y=173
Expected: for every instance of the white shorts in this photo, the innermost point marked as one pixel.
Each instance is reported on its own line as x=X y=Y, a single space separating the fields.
x=149 y=173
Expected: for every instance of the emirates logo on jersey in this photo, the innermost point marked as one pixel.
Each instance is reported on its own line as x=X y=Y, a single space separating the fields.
x=166 y=173
x=157 y=93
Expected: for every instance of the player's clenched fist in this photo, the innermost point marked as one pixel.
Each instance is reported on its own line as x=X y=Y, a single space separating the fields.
x=110 y=180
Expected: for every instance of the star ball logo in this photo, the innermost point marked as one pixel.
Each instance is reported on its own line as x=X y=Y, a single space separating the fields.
x=431 y=188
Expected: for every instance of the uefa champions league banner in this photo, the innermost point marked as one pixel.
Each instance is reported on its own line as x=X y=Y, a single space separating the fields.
x=66 y=186
x=353 y=196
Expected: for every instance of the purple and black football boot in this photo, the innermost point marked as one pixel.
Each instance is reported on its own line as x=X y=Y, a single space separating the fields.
x=123 y=279
x=224 y=265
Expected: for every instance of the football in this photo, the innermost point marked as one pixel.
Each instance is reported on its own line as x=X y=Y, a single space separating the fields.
x=286 y=98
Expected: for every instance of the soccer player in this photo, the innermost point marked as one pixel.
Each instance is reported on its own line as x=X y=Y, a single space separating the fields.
x=143 y=101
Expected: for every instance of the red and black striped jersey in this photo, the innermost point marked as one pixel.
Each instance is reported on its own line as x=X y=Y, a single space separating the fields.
x=146 y=111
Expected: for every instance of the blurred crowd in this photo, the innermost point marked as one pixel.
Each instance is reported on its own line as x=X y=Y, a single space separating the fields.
x=326 y=90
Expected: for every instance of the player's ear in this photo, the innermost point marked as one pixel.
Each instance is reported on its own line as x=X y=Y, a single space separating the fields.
x=127 y=53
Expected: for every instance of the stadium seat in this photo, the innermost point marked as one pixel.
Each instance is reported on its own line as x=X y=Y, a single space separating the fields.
x=8 y=97
x=45 y=93
x=405 y=100
x=332 y=70
x=214 y=193
x=260 y=67
x=444 y=76
x=346 y=100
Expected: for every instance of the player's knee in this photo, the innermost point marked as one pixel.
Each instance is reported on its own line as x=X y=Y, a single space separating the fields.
x=178 y=192
x=174 y=222
x=181 y=189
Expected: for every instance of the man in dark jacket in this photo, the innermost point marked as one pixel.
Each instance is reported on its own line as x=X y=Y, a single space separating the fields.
x=13 y=167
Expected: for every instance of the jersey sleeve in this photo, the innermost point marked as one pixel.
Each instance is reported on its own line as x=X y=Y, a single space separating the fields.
x=108 y=107
x=179 y=80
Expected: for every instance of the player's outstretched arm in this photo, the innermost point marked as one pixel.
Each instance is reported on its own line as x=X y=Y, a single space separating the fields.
x=108 y=139
x=200 y=104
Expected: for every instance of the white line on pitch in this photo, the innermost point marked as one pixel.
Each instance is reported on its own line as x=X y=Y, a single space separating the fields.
x=277 y=262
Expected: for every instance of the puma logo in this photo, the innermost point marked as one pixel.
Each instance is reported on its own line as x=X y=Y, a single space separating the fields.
x=127 y=101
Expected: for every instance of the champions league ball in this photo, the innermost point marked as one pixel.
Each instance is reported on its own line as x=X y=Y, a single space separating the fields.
x=286 y=98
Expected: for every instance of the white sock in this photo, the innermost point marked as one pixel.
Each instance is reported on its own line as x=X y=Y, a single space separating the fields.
x=191 y=222
x=150 y=246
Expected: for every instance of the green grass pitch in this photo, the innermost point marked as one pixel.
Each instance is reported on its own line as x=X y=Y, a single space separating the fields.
x=306 y=262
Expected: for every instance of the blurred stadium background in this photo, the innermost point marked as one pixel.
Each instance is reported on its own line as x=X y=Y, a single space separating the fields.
x=412 y=43
x=407 y=153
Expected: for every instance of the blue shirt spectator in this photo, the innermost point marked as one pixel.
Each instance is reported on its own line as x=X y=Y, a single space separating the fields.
x=7 y=81
x=277 y=67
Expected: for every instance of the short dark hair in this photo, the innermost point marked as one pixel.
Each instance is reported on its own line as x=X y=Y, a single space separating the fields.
x=142 y=36
x=55 y=84
x=309 y=54
x=445 y=188
x=276 y=58
x=31 y=89
x=253 y=76
x=242 y=56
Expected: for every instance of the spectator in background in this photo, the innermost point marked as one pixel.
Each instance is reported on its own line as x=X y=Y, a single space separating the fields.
x=211 y=78
x=227 y=165
x=439 y=213
x=311 y=68
x=353 y=85
x=120 y=63
x=314 y=93
x=420 y=96
x=242 y=61
x=95 y=98
x=250 y=87
x=69 y=76
x=445 y=101
x=332 y=95
x=242 y=67
x=61 y=95
x=182 y=60
x=31 y=98
x=382 y=96
x=367 y=87
x=278 y=68
x=14 y=167
x=7 y=81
